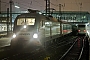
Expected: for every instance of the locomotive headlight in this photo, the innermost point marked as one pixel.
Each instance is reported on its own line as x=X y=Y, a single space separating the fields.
x=24 y=26
x=14 y=35
x=35 y=35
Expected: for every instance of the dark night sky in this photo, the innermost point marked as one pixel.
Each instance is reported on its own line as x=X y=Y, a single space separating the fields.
x=70 y=5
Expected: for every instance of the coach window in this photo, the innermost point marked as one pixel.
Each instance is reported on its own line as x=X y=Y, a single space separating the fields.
x=4 y=28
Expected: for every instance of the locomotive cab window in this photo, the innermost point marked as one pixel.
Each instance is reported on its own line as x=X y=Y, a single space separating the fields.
x=81 y=25
x=26 y=21
x=21 y=21
x=30 y=21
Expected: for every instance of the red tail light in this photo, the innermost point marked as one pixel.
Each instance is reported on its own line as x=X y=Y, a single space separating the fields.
x=78 y=30
x=64 y=30
x=84 y=30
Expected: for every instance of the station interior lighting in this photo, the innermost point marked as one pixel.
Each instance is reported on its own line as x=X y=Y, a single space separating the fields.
x=17 y=6
x=87 y=24
x=40 y=13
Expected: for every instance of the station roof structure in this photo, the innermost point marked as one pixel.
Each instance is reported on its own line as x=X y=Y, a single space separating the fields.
x=70 y=16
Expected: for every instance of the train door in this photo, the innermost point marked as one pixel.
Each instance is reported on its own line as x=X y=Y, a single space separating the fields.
x=41 y=29
x=48 y=28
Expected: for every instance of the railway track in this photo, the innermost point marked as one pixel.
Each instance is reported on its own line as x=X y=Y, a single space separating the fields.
x=53 y=50
x=75 y=51
x=37 y=53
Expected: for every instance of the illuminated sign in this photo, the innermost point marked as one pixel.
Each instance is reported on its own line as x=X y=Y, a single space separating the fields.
x=26 y=21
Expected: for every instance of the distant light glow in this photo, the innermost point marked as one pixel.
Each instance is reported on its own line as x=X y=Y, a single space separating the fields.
x=57 y=15
x=76 y=24
x=87 y=23
x=78 y=30
x=84 y=30
x=64 y=30
x=40 y=13
x=88 y=32
x=44 y=14
x=46 y=22
x=17 y=6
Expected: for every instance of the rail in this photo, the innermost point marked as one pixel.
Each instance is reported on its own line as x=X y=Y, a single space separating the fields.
x=78 y=51
x=68 y=50
x=81 y=50
x=53 y=47
x=85 y=47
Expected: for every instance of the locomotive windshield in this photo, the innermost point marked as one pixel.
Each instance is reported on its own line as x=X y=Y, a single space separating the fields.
x=26 y=21
x=81 y=25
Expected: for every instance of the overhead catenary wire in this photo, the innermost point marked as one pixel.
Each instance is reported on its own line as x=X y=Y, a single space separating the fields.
x=29 y=4
x=23 y=4
x=4 y=2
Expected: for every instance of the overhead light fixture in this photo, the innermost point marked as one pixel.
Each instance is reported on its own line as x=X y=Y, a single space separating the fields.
x=17 y=6
x=40 y=13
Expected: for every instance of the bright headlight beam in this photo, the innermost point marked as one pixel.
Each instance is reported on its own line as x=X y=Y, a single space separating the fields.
x=25 y=26
x=14 y=35
x=35 y=36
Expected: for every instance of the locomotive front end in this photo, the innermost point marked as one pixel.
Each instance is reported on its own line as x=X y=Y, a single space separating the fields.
x=25 y=31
